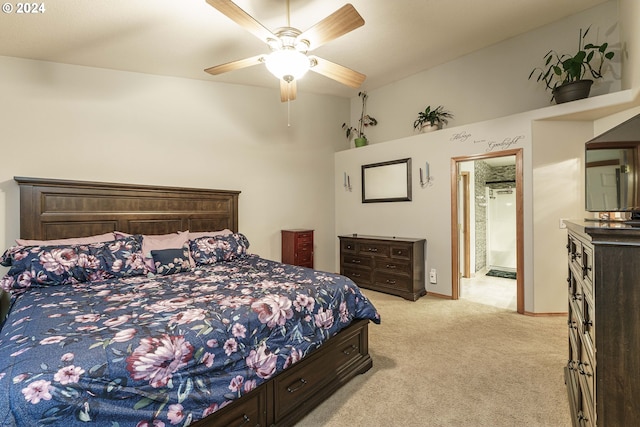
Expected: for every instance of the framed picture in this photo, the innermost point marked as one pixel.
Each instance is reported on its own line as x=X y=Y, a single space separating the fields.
x=387 y=181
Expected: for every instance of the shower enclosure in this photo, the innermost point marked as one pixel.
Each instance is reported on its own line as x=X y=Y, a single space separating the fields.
x=501 y=229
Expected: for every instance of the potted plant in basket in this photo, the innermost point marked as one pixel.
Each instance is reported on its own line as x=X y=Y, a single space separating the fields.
x=364 y=121
x=564 y=74
x=430 y=120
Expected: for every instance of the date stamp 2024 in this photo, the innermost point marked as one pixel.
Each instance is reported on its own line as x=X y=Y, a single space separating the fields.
x=24 y=8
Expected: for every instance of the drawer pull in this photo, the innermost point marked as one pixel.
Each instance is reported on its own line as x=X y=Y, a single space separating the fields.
x=350 y=350
x=581 y=370
x=391 y=282
x=577 y=297
x=245 y=420
x=355 y=274
x=302 y=382
x=391 y=266
x=355 y=261
x=373 y=249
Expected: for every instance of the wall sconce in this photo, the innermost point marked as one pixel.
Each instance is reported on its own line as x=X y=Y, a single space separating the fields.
x=347 y=182
x=425 y=178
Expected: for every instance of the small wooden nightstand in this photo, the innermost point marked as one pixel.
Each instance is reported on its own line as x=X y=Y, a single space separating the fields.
x=297 y=247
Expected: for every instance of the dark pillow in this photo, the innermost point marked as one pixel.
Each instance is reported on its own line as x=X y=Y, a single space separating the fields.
x=171 y=261
x=208 y=250
x=117 y=258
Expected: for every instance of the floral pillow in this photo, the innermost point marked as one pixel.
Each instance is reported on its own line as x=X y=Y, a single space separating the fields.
x=171 y=261
x=117 y=258
x=208 y=250
x=37 y=266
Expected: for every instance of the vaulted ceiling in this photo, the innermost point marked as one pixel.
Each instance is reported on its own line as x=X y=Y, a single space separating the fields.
x=183 y=37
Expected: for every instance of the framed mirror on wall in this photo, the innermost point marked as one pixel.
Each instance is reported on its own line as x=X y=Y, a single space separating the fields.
x=387 y=181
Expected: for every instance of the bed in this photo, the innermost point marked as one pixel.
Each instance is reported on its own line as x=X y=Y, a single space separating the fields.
x=214 y=336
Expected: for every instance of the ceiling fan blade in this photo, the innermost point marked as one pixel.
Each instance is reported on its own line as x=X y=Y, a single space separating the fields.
x=337 y=72
x=235 y=65
x=242 y=18
x=339 y=23
x=288 y=90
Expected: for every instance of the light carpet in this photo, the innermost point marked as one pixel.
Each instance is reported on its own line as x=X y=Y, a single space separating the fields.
x=438 y=362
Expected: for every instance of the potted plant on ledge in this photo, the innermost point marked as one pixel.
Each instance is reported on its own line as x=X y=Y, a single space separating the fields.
x=364 y=121
x=430 y=120
x=564 y=74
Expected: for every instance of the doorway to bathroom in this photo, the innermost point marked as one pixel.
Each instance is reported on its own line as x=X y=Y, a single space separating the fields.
x=487 y=229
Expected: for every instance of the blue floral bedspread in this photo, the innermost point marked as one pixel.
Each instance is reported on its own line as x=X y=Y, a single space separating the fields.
x=164 y=350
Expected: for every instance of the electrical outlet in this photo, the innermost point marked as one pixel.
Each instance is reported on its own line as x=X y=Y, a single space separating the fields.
x=433 y=276
x=562 y=224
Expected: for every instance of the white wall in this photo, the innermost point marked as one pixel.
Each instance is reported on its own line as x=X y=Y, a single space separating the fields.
x=492 y=82
x=629 y=16
x=558 y=192
x=71 y=122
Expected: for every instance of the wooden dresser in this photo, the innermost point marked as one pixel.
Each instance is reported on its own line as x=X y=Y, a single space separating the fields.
x=603 y=369
x=386 y=264
x=297 y=247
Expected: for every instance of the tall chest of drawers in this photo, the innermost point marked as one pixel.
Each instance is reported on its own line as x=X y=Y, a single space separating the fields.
x=603 y=367
x=297 y=247
x=386 y=264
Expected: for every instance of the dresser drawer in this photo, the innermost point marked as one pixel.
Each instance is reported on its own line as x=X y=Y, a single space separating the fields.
x=357 y=261
x=360 y=276
x=348 y=246
x=586 y=378
x=304 y=237
x=587 y=269
x=392 y=281
x=401 y=252
x=252 y=413
x=374 y=248
x=574 y=340
x=304 y=256
x=588 y=324
x=575 y=253
x=298 y=383
x=393 y=266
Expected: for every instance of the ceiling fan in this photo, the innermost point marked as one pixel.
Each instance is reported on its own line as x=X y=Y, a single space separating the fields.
x=289 y=59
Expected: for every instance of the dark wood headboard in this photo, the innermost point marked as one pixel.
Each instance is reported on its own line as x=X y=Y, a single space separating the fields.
x=56 y=209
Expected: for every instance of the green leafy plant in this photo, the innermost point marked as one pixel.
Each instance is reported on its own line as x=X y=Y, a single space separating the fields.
x=561 y=69
x=436 y=117
x=364 y=121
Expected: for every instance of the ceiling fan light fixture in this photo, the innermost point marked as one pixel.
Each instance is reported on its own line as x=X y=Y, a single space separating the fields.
x=287 y=64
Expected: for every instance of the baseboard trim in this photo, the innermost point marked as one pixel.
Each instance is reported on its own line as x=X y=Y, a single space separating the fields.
x=434 y=294
x=528 y=313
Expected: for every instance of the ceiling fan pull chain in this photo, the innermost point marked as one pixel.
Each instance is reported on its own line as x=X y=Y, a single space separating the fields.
x=289 y=112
